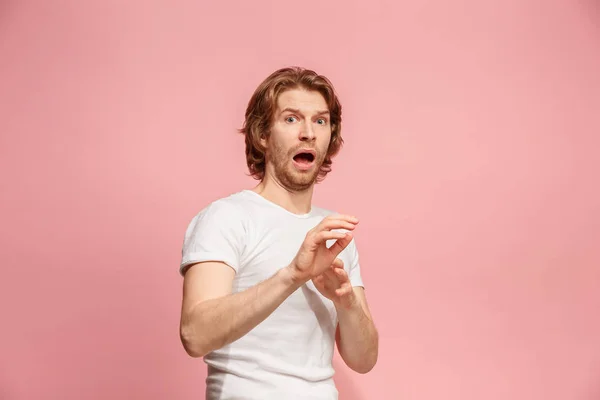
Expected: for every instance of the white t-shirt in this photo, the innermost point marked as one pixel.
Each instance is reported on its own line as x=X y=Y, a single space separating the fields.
x=288 y=355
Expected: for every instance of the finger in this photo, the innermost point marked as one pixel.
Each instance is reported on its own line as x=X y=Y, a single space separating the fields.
x=341 y=275
x=327 y=284
x=329 y=235
x=328 y=280
x=341 y=244
x=346 y=217
x=337 y=263
x=319 y=279
x=344 y=290
x=335 y=224
x=338 y=222
x=332 y=278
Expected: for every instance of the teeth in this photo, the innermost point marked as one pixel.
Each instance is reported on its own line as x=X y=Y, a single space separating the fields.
x=304 y=156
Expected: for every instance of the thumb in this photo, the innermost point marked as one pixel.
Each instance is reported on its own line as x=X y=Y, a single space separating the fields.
x=340 y=244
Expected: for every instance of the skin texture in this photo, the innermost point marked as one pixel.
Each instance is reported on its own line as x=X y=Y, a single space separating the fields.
x=301 y=122
x=211 y=316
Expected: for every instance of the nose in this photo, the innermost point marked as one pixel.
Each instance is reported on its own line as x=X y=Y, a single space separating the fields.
x=307 y=132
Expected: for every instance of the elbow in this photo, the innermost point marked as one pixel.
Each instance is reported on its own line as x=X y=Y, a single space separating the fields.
x=192 y=342
x=365 y=369
x=367 y=362
x=365 y=366
x=361 y=365
x=193 y=351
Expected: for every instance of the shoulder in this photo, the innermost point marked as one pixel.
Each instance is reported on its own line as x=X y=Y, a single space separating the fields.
x=231 y=205
x=216 y=233
x=228 y=210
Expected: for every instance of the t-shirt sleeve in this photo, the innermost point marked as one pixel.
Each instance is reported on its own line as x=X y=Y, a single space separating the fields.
x=215 y=234
x=354 y=269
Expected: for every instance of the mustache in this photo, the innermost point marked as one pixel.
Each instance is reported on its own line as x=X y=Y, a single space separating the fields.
x=295 y=150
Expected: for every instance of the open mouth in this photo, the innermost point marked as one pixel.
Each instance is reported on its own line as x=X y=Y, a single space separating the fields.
x=304 y=157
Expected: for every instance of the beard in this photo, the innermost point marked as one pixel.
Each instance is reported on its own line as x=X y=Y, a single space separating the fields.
x=285 y=172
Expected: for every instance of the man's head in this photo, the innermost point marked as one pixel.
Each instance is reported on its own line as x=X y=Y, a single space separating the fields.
x=293 y=128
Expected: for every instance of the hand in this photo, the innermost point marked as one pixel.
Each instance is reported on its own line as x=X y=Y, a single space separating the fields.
x=313 y=257
x=335 y=285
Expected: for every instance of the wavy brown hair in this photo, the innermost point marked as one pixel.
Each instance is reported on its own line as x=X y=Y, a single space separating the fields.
x=261 y=109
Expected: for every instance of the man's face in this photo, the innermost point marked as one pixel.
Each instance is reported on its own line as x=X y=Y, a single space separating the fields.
x=299 y=138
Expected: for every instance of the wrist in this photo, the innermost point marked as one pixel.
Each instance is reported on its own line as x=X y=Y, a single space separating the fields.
x=290 y=278
x=348 y=303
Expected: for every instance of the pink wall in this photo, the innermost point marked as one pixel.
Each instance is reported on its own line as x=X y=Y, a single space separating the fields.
x=479 y=248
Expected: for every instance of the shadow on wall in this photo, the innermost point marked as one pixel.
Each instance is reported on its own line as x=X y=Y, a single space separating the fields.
x=591 y=9
x=6 y=7
x=345 y=383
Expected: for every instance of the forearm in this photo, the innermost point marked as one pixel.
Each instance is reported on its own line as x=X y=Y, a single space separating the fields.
x=358 y=341
x=214 y=323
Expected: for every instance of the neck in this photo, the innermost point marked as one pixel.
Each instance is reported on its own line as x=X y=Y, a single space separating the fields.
x=297 y=202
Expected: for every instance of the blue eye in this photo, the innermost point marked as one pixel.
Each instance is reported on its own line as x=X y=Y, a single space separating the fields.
x=322 y=121
x=290 y=119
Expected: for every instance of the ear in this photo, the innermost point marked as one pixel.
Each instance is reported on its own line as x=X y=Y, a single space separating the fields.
x=264 y=140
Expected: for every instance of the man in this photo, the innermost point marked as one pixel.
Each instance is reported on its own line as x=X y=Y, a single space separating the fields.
x=271 y=282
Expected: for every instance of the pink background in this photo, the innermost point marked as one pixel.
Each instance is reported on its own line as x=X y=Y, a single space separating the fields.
x=479 y=245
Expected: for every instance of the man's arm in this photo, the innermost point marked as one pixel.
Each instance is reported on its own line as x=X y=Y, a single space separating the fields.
x=356 y=336
x=212 y=317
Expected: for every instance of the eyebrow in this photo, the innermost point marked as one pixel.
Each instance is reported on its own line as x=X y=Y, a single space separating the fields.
x=296 y=111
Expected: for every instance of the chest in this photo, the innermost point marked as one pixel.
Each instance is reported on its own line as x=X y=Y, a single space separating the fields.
x=272 y=245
